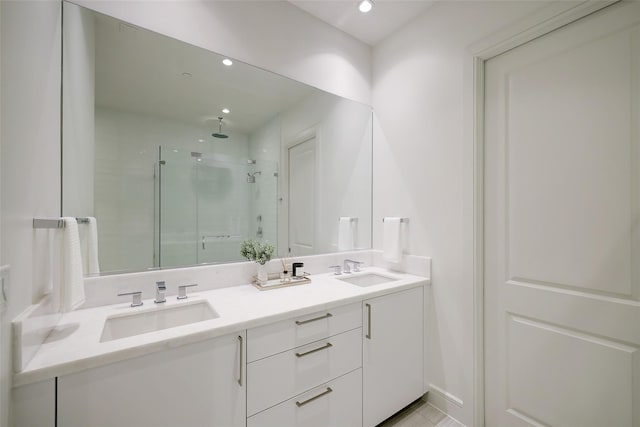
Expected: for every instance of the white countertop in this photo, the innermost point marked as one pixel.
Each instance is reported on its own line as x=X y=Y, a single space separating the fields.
x=74 y=345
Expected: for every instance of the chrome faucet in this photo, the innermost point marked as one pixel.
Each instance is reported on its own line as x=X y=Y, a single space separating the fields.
x=182 y=291
x=161 y=288
x=137 y=298
x=348 y=263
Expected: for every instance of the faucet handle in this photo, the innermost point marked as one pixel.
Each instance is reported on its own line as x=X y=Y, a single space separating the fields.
x=182 y=291
x=137 y=298
x=161 y=288
x=337 y=269
x=356 y=265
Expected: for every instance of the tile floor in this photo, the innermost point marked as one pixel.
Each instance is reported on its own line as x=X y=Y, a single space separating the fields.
x=420 y=414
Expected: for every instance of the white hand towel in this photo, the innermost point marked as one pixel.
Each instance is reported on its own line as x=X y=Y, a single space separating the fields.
x=345 y=233
x=91 y=264
x=392 y=240
x=71 y=282
x=49 y=271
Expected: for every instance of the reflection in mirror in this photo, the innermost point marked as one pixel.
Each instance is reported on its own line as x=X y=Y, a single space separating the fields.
x=173 y=180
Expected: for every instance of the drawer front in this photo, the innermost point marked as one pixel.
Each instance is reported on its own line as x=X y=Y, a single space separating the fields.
x=270 y=339
x=337 y=403
x=274 y=379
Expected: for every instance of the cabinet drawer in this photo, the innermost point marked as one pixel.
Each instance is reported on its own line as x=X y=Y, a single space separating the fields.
x=281 y=336
x=337 y=403
x=275 y=379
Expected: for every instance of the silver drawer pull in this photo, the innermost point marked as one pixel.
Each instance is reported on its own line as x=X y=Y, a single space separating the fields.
x=327 y=391
x=241 y=359
x=368 y=335
x=302 y=322
x=327 y=345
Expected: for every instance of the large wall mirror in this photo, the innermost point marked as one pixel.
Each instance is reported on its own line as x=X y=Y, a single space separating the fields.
x=180 y=157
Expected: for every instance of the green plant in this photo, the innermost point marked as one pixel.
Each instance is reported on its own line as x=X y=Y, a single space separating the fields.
x=256 y=250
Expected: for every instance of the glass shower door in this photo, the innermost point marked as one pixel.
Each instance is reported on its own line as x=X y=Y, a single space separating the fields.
x=177 y=217
x=222 y=208
x=209 y=203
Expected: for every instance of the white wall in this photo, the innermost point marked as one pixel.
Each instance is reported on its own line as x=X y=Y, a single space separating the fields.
x=423 y=169
x=272 y=35
x=343 y=156
x=30 y=134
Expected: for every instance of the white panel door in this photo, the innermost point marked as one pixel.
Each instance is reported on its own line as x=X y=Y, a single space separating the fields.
x=302 y=197
x=562 y=246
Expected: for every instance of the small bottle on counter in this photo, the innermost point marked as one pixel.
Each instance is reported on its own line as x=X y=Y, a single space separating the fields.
x=285 y=276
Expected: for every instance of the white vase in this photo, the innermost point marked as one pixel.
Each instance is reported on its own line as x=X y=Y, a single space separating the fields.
x=262 y=276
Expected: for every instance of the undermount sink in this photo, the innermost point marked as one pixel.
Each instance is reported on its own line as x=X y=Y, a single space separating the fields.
x=368 y=279
x=156 y=319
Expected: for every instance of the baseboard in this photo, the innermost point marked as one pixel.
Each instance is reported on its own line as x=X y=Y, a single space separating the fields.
x=446 y=402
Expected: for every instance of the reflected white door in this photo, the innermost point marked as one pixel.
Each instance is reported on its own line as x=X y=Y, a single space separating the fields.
x=562 y=243
x=302 y=196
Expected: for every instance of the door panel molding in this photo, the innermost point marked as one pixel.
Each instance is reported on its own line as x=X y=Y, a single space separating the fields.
x=575 y=290
x=601 y=372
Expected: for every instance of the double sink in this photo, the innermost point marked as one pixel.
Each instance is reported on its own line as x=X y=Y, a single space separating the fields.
x=157 y=319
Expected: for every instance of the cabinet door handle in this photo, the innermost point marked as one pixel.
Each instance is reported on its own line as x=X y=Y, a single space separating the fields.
x=327 y=391
x=241 y=359
x=325 y=316
x=368 y=321
x=327 y=345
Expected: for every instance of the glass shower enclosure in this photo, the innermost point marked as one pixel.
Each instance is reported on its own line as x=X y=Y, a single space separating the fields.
x=208 y=203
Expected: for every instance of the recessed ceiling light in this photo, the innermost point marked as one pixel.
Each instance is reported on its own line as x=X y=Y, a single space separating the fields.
x=201 y=140
x=227 y=62
x=365 y=6
x=226 y=110
x=186 y=74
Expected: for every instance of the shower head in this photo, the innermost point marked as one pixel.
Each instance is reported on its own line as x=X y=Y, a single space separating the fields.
x=251 y=177
x=219 y=134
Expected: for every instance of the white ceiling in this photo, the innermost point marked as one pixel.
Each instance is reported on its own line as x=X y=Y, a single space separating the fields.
x=386 y=17
x=132 y=64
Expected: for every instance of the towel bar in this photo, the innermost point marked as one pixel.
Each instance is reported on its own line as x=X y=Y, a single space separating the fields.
x=54 y=222
x=402 y=220
x=352 y=218
x=48 y=223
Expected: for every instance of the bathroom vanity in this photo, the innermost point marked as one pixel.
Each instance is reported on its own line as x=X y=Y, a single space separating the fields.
x=328 y=353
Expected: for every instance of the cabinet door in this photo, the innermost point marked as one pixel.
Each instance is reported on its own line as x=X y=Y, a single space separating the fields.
x=34 y=405
x=198 y=384
x=392 y=354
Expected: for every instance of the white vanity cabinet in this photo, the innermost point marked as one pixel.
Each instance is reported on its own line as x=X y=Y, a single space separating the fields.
x=34 y=405
x=392 y=359
x=306 y=371
x=201 y=384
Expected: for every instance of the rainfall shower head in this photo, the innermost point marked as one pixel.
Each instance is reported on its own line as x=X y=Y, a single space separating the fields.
x=251 y=177
x=219 y=134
